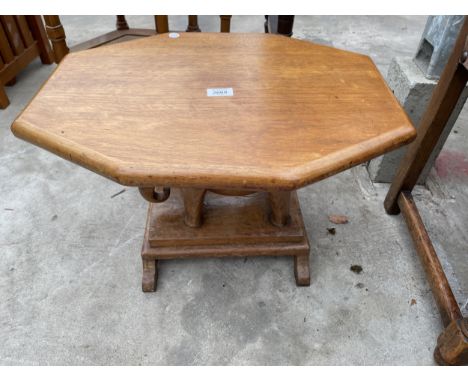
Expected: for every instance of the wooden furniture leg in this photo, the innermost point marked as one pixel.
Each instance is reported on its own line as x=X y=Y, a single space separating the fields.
x=4 y=101
x=279 y=24
x=193 y=24
x=452 y=344
x=162 y=24
x=56 y=35
x=225 y=23
x=121 y=23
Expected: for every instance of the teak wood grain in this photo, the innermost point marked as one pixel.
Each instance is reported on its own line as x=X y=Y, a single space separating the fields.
x=138 y=112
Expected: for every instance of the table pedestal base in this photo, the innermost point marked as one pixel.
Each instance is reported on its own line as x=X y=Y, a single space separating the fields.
x=231 y=226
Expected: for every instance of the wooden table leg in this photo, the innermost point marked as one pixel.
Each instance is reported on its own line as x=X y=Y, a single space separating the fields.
x=194 y=223
x=150 y=275
x=162 y=24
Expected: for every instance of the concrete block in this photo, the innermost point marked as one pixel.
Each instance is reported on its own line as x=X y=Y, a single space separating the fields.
x=414 y=92
x=437 y=43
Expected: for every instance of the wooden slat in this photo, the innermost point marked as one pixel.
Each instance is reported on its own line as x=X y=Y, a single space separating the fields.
x=39 y=34
x=19 y=63
x=5 y=49
x=24 y=30
x=13 y=34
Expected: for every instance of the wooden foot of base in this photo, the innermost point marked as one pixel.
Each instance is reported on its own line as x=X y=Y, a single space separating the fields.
x=452 y=344
x=150 y=275
x=4 y=101
x=301 y=270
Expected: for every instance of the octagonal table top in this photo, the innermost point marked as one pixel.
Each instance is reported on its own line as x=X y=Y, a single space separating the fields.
x=143 y=112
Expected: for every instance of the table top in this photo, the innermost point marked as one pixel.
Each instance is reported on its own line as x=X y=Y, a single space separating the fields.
x=292 y=113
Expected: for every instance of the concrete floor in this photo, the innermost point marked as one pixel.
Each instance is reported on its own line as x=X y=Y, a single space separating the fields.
x=70 y=268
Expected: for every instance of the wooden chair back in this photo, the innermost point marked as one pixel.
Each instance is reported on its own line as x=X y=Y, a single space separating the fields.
x=22 y=39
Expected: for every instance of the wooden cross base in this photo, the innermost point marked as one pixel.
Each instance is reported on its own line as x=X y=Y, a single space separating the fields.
x=230 y=226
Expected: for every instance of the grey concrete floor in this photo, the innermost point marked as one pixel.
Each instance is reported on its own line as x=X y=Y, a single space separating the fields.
x=70 y=266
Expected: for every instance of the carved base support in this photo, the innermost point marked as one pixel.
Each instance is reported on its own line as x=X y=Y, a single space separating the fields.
x=301 y=270
x=232 y=226
x=193 y=204
x=279 y=203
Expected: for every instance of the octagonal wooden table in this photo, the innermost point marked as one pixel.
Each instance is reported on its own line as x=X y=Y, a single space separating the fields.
x=220 y=129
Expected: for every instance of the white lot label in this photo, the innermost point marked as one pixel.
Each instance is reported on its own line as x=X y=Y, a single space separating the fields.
x=220 y=92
